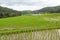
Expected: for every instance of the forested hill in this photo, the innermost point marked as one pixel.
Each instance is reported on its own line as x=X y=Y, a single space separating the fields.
x=6 y=12
x=55 y=9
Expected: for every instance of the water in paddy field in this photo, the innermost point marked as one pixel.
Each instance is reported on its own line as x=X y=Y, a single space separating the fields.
x=36 y=35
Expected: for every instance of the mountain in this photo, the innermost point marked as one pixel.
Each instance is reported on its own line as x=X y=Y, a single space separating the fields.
x=55 y=9
x=26 y=12
x=7 y=12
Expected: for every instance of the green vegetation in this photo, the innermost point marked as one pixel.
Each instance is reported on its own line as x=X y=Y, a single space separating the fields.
x=6 y=12
x=55 y=9
x=29 y=23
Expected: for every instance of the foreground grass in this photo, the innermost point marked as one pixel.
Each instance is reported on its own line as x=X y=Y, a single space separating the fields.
x=29 y=23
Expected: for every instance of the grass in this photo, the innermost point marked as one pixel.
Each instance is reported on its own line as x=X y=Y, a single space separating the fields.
x=29 y=23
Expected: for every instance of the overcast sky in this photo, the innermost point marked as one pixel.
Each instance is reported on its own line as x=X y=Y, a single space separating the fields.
x=28 y=4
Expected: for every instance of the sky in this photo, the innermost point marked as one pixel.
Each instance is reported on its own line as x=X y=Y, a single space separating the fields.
x=21 y=5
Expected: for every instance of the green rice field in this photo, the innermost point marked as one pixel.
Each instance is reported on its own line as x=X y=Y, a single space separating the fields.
x=26 y=23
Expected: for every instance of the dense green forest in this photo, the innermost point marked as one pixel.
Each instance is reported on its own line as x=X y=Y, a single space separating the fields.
x=55 y=9
x=7 y=12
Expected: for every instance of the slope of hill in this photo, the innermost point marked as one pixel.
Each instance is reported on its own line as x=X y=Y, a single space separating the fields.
x=55 y=9
x=6 y=12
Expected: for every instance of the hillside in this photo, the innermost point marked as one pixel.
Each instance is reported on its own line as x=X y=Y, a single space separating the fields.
x=55 y=9
x=7 y=12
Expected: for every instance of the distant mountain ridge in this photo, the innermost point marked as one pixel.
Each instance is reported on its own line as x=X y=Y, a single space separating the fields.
x=7 y=12
x=55 y=9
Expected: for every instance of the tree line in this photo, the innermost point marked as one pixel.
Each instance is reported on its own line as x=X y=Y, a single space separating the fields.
x=6 y=12
x=55 y=9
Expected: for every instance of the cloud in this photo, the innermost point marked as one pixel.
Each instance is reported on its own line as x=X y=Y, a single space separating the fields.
x=24 y=7
x=28 y=4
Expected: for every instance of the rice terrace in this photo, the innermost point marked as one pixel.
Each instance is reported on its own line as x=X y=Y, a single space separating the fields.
x=30 y=27
x=29 y=19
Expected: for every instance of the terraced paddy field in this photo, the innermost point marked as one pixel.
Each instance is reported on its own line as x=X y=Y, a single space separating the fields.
x=30 y=26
